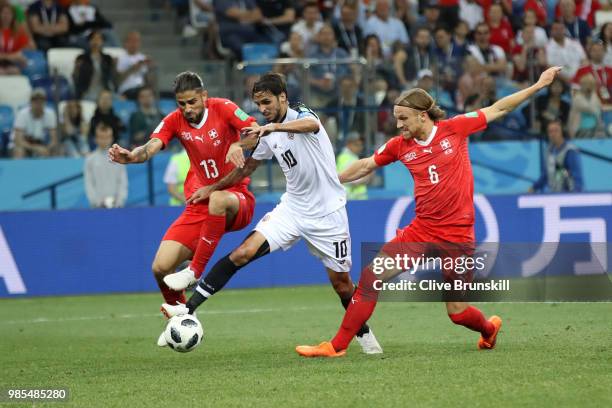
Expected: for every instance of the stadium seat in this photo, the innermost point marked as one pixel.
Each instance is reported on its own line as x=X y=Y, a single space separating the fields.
x=124 y=110
x=6 y=126
x=114 y=52
x=15 y=90
x=56 y=87
x=167 y=105
x=37 y=64
x=87 y=109
x=258 y=51
x=61 y=60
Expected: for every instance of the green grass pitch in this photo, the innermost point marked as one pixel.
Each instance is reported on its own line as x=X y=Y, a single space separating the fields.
x=103 y=349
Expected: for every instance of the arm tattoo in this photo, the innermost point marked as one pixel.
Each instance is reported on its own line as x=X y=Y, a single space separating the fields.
x=236 y=175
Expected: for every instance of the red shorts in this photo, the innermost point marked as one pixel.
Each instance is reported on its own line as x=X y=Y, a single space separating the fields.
x=186 y=228
x=417 y=239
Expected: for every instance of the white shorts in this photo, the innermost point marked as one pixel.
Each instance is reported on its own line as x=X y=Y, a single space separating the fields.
x=328 y=238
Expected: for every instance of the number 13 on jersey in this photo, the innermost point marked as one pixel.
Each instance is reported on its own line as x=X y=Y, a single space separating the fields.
x=210 y=168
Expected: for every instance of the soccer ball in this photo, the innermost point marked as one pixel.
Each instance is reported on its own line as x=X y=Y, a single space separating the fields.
x=184 y=333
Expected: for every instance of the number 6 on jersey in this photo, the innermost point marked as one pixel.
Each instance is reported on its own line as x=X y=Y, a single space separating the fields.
x=433 y=176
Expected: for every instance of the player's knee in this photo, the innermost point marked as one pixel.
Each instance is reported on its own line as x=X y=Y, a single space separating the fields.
x=343 y=288
x=243 y=254
x=159 y=269
x=218 y=202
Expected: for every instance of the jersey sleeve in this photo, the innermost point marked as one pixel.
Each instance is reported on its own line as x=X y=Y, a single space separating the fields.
x=469 y=123
x=166 y=129
x=388 y=153
x=262 y=150
x=232 y=113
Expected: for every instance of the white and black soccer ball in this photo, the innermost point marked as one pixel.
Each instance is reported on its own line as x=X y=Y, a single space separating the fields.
x=184 y=333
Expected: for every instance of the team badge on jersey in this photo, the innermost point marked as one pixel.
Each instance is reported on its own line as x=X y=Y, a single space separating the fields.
x=445 y=144
x=290 y=136
x=213 y=133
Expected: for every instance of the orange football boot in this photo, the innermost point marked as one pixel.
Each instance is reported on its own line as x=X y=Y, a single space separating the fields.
x=489 y=343
x=324 y=349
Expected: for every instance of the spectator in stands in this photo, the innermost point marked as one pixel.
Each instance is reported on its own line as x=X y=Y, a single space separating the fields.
x=562 y=170
x=106 y=183
x=564 y=51
x=174 y=177
x=133 y=68
x=86 y=18
x=347 y=117
x=529 y=58
x=360 y=6
x=605 y=36
x=294 y=48
x=237 y=20
x=348 y=33
x=380 y=66
x=407 y=62
x=538 y=8
x=309 y=25
x=278 y=16
x=406 y=11
x=20 y=16
x=585 y=119
x=324 y=77
x=577 y=28
x=94 y=70
x=471 y=13
x=548 y=107
x=425 y=80
x=104 y=113
x=491 y=57
x=49 y=24
x=460 y=35
x=74 y=130
x=387 y=28
x=484 y=95
x=144 y=121
x=501 y=30
x=35 y=128
x=602 y=73
x=473 y=74
x=431 y=16
x=449 y=59
x=357 y=190
x=13 y=39
x=540 y=38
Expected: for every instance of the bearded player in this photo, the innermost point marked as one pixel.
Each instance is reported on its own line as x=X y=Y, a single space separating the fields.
x=436 y=154
x=206 y=127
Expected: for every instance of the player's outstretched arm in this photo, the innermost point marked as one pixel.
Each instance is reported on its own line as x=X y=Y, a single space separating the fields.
x=235 y=152
x=358 y=170
x=232 y=178
x=140 y=154
x=304 y=125
x=510 y=102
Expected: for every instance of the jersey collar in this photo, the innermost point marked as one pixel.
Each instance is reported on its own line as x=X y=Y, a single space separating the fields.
x=202 y=122
x=429 y=138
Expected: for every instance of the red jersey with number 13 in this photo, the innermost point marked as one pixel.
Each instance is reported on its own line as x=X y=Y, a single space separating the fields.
x=441 y=169
x=207 y=142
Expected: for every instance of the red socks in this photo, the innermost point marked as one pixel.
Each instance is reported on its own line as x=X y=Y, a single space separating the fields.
x=171 y=296
x=473 y=319
x=212 y=230
x=358 y=312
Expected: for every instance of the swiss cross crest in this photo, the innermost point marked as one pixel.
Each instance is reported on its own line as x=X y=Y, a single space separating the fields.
x=445 y=144
x=213 y=133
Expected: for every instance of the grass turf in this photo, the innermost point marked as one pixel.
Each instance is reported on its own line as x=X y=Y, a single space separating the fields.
x=103 y=349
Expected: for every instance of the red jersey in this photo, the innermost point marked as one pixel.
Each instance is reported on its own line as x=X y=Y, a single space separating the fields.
x=206 y=143
x=441 y=169
x=603 y=79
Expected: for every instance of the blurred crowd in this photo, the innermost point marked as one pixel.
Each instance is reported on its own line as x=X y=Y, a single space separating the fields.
x=79 y=75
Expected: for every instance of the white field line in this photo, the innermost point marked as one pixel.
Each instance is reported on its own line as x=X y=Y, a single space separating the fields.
x=148 y=315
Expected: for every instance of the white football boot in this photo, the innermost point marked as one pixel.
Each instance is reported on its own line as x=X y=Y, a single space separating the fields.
x=174 y=310
x=369 y=344
x=180 y=280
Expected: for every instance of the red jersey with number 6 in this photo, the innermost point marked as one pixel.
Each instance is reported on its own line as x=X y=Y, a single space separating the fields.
x=207 y=142
x=441 y=169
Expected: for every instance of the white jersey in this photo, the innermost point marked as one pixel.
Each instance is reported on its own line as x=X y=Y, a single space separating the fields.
x=309 y=164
